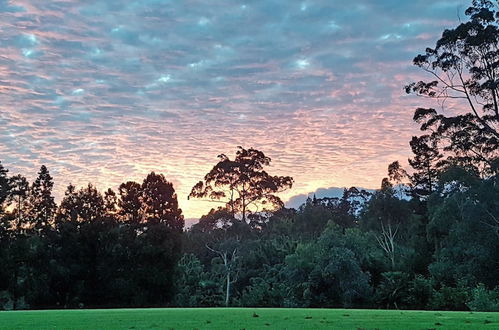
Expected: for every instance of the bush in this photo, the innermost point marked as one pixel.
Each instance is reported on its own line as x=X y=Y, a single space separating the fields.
x=420 y=292
x=6 y=302
x=261 y=293
x=393 y=289
x=483 y=300
x=450 y=298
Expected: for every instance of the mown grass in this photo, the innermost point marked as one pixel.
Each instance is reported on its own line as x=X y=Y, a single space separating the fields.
x=245 y=318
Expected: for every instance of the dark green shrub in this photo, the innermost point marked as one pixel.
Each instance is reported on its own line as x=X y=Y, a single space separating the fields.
x=483 y=300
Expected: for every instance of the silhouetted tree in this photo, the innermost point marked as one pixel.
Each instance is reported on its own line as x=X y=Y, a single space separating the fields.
x=220 y=218
x=396 y=173
x=68 y=208
x=465 y=67
x=243 y=183
x=110 y=202
x=18 y=196
x=41 y=202
x=427 y=165
x=4 y=185
x=160 y=204
x=84 y=205
x=4 y=193
x=130 y=203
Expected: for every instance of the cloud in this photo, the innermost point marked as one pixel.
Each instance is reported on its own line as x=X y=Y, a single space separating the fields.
x=7 y=7
x=106 y=91
x=331 y=192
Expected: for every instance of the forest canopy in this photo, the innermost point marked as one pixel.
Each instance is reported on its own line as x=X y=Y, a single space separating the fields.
x=428 y=238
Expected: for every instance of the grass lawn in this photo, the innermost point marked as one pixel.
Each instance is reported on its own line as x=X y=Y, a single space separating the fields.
x=245 y=318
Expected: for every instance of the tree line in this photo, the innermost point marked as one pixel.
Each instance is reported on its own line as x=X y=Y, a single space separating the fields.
x=93 y=249
x=428 y=238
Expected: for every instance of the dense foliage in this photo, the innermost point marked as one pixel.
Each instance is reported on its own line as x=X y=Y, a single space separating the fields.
x=361 y=250
x=427 y=239
x=439 y=253
x=90 y=250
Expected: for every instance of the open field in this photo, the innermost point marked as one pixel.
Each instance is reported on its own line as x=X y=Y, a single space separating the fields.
x=245 y=318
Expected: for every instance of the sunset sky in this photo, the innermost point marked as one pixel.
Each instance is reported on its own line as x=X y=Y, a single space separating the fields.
x=107 y=91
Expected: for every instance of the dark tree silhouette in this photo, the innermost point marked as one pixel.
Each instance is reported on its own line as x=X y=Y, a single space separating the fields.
x=84 y=205
x=220 y=218
x=41 y=202
x=396 y=174
x=160 y=204
x=110 y=202
x=465 y=67
x=4 y=185
x=68 y=208
x=130 y=201
x=4 y=194
x=18 y=195
x=427 y=165
x=243 y=183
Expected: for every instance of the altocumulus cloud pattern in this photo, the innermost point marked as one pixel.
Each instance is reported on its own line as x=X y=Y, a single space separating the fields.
x=106 y=90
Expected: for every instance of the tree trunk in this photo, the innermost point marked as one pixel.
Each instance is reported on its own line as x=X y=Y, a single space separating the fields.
x=227 y=294
x=19 y=213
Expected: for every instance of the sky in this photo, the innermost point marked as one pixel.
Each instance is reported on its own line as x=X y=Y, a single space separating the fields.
x=108 y=91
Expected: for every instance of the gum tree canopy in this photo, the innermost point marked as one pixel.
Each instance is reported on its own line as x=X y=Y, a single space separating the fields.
x=243 y=183
x=464 y=65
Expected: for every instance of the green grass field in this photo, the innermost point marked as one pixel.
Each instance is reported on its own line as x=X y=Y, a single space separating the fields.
x=245 y=318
